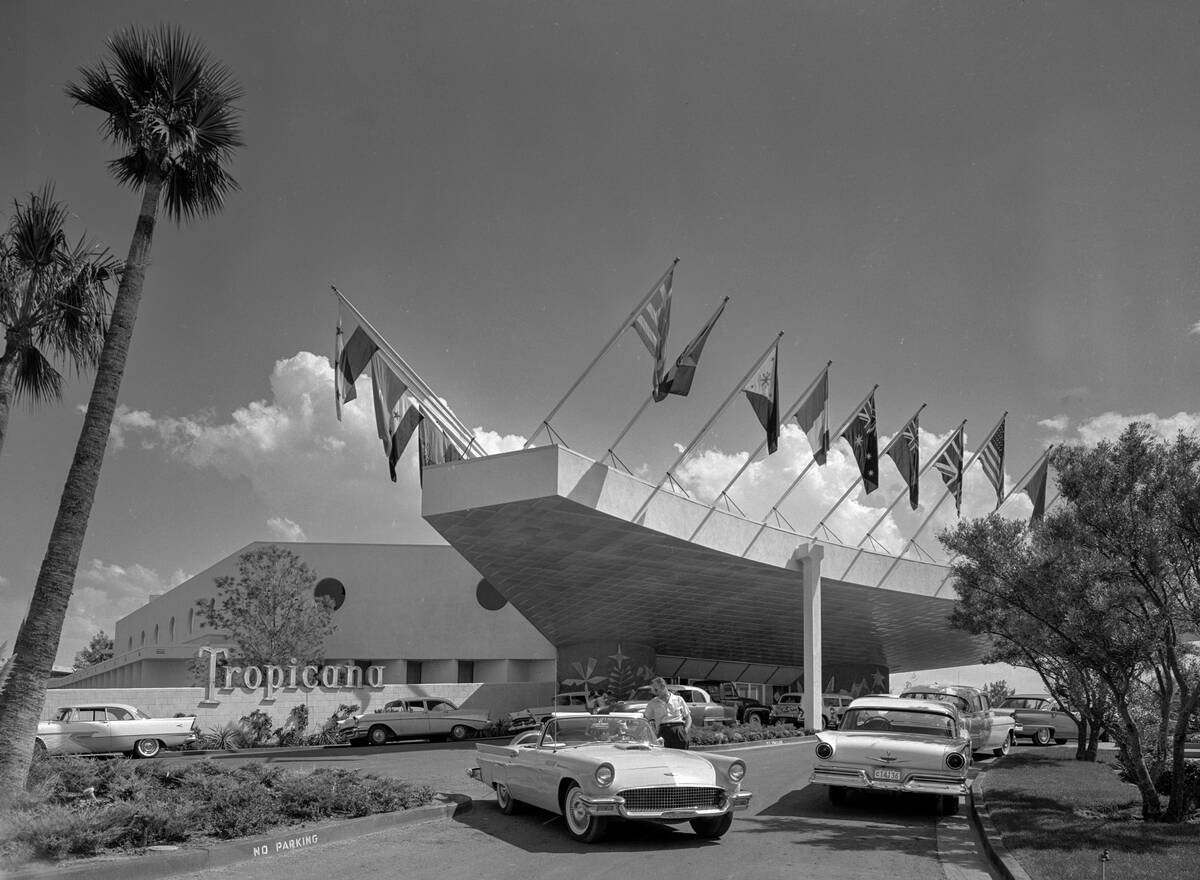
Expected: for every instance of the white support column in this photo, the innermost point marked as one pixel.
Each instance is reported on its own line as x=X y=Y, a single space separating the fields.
x=807 y=558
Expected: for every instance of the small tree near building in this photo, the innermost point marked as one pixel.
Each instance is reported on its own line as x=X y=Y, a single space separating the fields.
x=998 y=691
x=269 y=612
x=99 y=649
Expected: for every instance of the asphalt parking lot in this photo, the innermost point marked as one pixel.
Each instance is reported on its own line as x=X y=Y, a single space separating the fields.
x=790 y=830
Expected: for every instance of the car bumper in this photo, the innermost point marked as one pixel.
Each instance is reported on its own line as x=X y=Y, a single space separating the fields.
x=917 y=783
x=615 y=806
x=476 y=774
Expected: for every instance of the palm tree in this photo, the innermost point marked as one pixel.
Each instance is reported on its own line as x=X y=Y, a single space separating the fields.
x=53 y=297
x=171 y=108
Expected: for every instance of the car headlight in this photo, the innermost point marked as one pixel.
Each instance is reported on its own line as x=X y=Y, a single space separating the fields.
x=737 y=770
x=956 y=761
x=604 y=775
x=824 y=750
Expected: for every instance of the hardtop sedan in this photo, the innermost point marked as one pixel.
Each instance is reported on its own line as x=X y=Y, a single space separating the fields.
x=100 y=728
x=988 y=729
x=1040 y=717
x=592 y=769
x=885 y=743
x=427 y=718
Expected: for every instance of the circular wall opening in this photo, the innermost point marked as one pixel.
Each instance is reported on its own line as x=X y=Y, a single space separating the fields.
x=488 y=596
x=333 y=588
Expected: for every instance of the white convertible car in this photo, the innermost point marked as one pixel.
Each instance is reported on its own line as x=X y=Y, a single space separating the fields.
x=94 y=728
x=594 y=768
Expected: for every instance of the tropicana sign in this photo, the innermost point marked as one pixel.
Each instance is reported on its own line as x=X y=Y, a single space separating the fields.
x=274 y=678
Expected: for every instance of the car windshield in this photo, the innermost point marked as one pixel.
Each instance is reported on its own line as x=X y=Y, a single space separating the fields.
x=1022 y=703
x=938 y=697
x=596 y=729
x=897 y=721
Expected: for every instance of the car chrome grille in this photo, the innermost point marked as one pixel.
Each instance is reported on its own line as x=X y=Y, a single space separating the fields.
x=672 y=797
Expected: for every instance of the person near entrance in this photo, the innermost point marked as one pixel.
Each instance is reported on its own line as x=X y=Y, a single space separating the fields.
x=669 y=714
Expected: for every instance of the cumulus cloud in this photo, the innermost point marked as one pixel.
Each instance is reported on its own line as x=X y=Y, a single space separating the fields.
x=1109 y=425
x=322 y=479
x=285 y=530
x=1195 y=331
x=1057 y=425
x=105 y=592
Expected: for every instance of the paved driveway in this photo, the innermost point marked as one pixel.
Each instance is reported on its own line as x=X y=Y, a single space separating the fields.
x=789 y=831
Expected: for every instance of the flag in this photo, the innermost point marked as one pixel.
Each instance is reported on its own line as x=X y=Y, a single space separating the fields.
x=679 y=378
x=403 y=433
x=950 y=464
x=813 y=418
x=905 y=451
x=652 y=324
x=992 y=461
x=862 y=436
x=1035 y=488
x=337 y=359
x=391 y=397
x=763 y=394
x=351 y=361
x=434 y=447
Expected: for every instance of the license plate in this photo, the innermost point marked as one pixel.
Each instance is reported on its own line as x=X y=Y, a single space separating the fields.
x=893 y=775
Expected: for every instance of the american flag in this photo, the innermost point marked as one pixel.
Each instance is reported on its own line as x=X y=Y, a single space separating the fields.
x=992 y=461
x=862 y=436
x=652 y=324
x=950 y=464
x=905 y=451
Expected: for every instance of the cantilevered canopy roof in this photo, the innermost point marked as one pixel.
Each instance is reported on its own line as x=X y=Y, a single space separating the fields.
x=587 y=552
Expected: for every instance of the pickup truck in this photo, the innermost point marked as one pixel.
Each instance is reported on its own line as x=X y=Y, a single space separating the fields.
x=788 y=709
x=746 y=709
x=706 y=712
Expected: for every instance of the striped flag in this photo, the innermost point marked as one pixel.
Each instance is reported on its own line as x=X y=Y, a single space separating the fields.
x=434 y=447
x=863 y=438
x=679 y=378
x=652 y=324
x=992 y=461
x=813 y=418
x=905 y=451
x=1035 y=488
x=763 y=394
x=950 y=465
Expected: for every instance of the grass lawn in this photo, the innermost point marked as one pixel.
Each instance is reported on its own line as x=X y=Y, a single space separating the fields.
x=1056 y=815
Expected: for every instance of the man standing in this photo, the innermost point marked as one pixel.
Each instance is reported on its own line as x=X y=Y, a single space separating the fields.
x=669 y=714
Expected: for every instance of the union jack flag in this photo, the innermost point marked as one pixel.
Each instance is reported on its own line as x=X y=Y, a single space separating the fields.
x=905 y=451
x=862 y=436
x=652 y=324
x=992 y=461
x=950 y=464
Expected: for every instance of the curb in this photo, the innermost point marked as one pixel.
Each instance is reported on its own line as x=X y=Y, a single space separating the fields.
x=276 y=842
x=993 y=844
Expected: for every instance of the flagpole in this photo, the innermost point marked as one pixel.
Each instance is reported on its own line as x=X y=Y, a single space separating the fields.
x=860 y=479
x=928 y=464
x=624 y=326
x=945 y=495
x=691 y=446
x=433 y=401
x=650 y=397
x=791 y=411
x=812 y=460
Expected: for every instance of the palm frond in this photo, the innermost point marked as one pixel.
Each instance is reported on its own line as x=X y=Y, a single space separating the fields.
x=173 y=108
x=36 y=379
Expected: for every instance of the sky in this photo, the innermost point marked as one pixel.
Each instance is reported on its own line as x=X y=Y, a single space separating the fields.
x=984 y=207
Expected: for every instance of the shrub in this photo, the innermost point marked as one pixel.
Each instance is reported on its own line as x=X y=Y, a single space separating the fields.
x=237 y=807
x=229 y=738
x=343 y=793
x=256 y=727
x=57 y=830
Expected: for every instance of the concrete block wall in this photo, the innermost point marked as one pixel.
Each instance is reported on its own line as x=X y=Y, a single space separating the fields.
x=497 y=699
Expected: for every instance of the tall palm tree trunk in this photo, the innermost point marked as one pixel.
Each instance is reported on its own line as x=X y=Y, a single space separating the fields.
x=8 y=374
x=37 y=642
